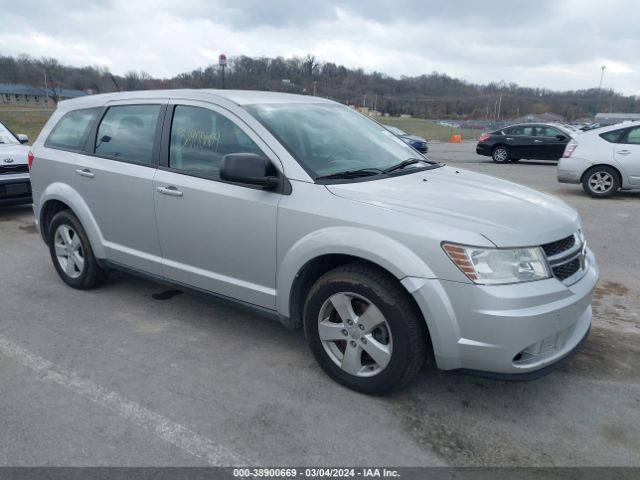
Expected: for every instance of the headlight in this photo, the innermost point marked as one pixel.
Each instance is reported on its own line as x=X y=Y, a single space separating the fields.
x=497 y=266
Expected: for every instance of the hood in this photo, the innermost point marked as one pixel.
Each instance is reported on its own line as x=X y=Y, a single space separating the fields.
x=16 y=153
x=413 y=138
x=508 y=214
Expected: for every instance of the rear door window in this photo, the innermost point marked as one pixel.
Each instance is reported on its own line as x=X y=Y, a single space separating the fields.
x=200 y=138
x=127 y=133
x=633 y=136
x=70 y=133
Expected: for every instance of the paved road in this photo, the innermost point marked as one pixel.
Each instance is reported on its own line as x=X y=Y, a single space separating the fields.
x=134 y=374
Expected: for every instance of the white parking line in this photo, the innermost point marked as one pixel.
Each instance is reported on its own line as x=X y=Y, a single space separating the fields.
x=162 y=427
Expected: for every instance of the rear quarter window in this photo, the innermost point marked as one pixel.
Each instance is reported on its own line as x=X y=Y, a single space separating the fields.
x=612 y=136
x=70 y=133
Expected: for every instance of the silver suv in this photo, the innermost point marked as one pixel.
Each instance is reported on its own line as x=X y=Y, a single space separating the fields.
x=308 y=212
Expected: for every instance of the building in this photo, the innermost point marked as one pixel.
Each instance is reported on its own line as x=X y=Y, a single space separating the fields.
x=613 y=118
x=547 y=117
x=26 y=94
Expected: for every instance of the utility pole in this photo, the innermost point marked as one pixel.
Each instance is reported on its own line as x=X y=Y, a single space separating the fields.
x=375 y=103
x=222 y=61
x=315 y=82
x=46 y=89
x=499 y=105
x=601 y=76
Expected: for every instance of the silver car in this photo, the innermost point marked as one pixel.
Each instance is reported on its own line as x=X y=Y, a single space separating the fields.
x=305 y=211
x=15 y=187
x=603 y=160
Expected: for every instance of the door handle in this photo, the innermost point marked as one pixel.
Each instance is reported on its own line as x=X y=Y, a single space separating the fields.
x=624 y=152
x=537 y=141
x=509 y=138
x=170 y=190
x=85 y=172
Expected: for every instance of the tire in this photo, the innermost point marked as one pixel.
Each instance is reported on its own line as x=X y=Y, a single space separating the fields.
x=601 y=181
x=501 y=154
x=71 y=252
x=382 y=320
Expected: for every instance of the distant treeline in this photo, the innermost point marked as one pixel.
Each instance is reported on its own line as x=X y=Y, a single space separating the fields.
x=433 y=95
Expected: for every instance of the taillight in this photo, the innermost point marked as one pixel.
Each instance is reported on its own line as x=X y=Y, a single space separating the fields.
x=483 y=137
x=571 y=146
x=30 y=158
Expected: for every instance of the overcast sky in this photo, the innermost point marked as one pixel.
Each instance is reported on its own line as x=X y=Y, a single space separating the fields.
x=557 y=44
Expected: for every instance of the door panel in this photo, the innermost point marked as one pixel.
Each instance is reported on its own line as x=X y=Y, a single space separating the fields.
x=218 y=237
x=214 y=235
x=628 y=155
x=120 y=197
x=118 y=186
x=549 y=146
x=518 y=142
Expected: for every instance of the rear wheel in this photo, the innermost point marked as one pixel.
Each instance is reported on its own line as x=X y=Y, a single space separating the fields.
x=71 y=252
x=601 y=181
x=363 y=330
x=500 y=154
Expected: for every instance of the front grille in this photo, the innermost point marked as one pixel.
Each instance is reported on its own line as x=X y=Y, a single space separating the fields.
x=9 y=169
x=567 y=269
x=554 y=248
x=566 y=256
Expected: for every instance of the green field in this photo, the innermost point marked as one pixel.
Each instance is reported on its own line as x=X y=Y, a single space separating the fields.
x=428 y=128
x=24 y=120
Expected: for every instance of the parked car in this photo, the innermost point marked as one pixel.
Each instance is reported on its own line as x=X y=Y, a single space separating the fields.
x=535 y=141
x=415 y=141
x=15 y=187
x=603 y=160
x=378 y=255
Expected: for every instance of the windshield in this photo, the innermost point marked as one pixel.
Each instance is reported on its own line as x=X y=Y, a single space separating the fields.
x=6 y=137
x=328 y=139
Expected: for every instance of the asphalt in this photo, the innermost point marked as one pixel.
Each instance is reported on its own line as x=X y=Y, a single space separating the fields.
x=132 y=374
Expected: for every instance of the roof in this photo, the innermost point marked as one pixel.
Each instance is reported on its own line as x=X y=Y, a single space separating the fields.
x=618 y=116
x=237 y=97
x=20 y=89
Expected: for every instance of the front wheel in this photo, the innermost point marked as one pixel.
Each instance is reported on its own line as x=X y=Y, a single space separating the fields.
x=71 y=252
x=363 y=329
x=500 y=154
x=601 y=181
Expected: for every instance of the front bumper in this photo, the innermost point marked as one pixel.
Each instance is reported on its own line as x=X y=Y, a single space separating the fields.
x=507 y=330
x=15 y=189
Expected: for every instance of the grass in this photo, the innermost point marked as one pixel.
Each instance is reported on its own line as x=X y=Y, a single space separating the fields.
x=428 y=128
x=27 y=120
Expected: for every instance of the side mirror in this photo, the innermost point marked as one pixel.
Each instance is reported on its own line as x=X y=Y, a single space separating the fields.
x=22 y=138
x=249 y=168
x=561 y=137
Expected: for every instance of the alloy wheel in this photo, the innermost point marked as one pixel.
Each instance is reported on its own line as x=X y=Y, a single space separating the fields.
x=601 y=182
x=69 y=251
x=355 y=334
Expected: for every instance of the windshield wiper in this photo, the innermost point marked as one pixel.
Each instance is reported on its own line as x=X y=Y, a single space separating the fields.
x=410 y=161
x=363 y=172
x=402 y=164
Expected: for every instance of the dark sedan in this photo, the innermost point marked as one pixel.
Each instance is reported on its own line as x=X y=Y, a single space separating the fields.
x=535 y=141
x=416 y=142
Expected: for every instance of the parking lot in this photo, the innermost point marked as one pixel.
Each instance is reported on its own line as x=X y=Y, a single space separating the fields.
x=134 y=373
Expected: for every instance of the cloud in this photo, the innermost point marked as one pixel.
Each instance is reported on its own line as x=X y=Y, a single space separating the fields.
x=557 y=45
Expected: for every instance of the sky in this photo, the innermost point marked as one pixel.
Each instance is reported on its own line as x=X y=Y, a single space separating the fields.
x=555 y=44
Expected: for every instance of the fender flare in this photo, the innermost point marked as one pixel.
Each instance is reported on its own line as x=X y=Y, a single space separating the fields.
x=70 y=197
x=374 y=247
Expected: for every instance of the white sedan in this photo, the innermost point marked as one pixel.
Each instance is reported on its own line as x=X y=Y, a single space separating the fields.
x=15 y=187
x=604 y=160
